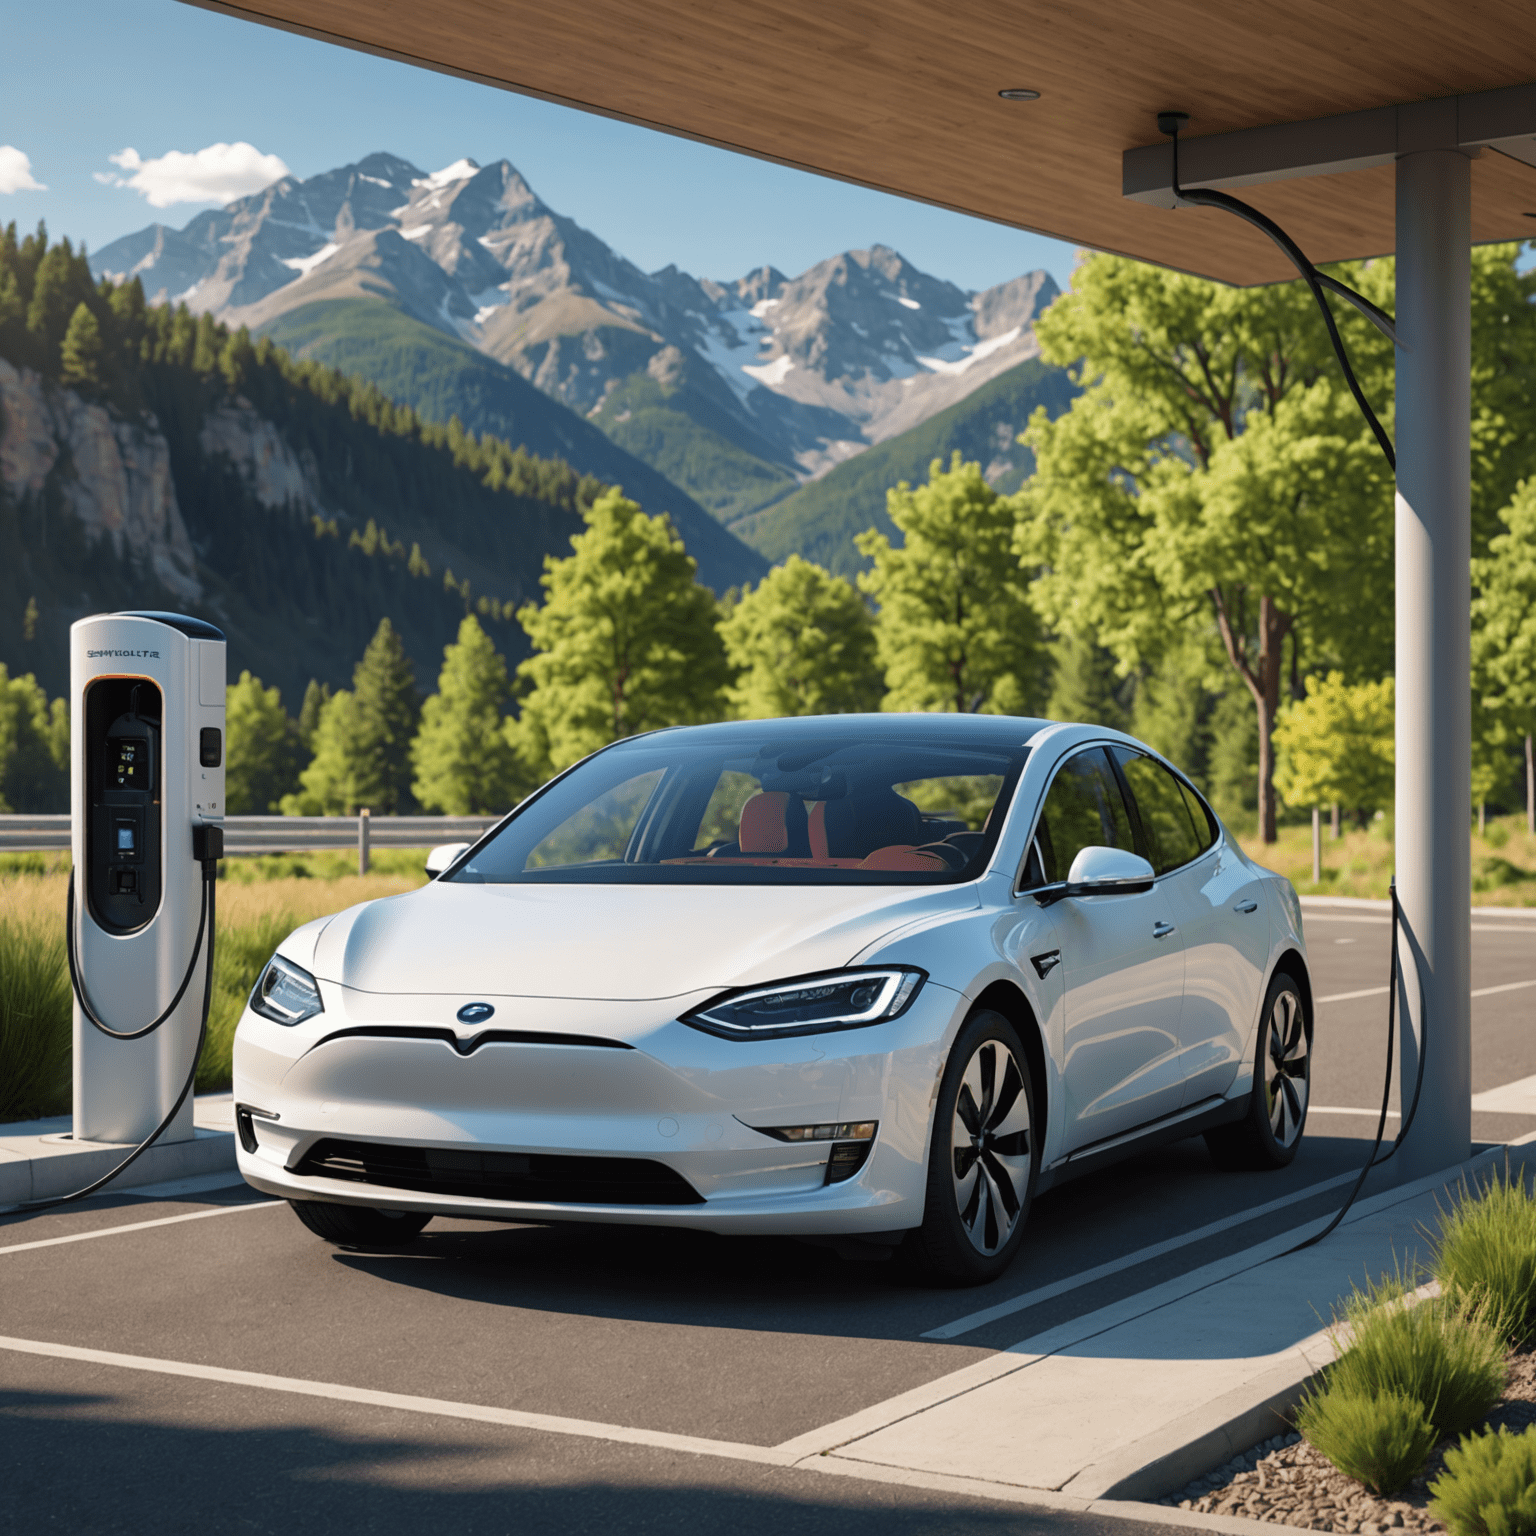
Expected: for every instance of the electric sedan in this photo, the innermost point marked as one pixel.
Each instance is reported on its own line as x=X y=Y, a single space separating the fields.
x=871 y=980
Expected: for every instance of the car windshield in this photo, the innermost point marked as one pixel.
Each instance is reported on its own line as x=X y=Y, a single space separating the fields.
x=766 y=803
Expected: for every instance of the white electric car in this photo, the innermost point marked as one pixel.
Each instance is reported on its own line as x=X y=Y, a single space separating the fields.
x=876 y=979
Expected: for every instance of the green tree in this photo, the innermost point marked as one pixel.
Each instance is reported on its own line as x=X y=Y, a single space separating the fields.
x=315 y=698
x=1084 y=685
x=625 y=640
x=388 y=709
x=335 y=782
x=1336 y=746
x=955 y=630
x=259 y=766
x=1504 y=640
x=801 y=643
x=34 y=748
x=463 y=760
x=1213 y=474
x=82 y=351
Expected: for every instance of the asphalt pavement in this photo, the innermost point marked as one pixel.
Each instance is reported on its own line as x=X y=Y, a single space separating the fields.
x=687 y=1341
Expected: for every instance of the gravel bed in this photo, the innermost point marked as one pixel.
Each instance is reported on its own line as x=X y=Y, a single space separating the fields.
x=1285 y=1482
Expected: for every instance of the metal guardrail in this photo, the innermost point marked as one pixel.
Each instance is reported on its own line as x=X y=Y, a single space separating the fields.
x=279 y=834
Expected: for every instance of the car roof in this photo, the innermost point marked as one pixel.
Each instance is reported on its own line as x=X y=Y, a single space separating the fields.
x=917 y=728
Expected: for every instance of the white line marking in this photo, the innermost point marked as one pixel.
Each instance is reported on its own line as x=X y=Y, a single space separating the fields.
x=1517 y=1098
x=974 y=1320
x=1345 y=997
x=1339 y=1109
x=139 y=1226
x=1509 y=986
x=336 y=1392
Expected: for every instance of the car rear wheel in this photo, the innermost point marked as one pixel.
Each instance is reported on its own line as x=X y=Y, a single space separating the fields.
x=983 y=1165
x=360 y=1226
x=1270 y=1133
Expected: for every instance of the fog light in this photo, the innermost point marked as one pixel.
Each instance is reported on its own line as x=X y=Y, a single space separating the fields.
x=848 y=1130
x=846 y=1160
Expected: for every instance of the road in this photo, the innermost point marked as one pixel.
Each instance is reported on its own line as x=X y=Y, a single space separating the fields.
x=655 y=1341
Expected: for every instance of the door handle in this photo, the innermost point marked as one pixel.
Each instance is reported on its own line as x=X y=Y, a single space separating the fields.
x=1161 y=930
x=1246 y=906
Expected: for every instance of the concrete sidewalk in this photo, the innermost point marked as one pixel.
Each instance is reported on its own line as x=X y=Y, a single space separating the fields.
x=38 y=1160
x=1134 y=1400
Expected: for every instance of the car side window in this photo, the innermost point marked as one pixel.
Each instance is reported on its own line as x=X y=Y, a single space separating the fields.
x=1172 y=838
x=1205 y=825
x=1083 y=809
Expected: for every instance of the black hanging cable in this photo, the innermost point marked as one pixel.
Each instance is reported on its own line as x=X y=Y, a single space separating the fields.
x=1204 y=197
x=204 y=928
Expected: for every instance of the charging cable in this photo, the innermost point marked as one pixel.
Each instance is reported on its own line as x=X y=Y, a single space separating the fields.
x=207 y=849
x=1320 y=283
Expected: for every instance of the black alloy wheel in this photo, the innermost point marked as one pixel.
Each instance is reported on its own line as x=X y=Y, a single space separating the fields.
x=1270 y=1133
x=983 y=1164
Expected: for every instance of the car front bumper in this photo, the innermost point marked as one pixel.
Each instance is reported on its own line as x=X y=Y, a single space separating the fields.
x=657 y=1093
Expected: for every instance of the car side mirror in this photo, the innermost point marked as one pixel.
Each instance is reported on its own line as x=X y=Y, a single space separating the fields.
x=442 y=856
x=1100 y=872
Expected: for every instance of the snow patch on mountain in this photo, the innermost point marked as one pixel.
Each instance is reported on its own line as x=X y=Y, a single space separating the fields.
x=304 y=264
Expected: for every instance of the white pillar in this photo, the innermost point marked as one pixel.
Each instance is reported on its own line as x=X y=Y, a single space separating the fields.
x=1434 y=705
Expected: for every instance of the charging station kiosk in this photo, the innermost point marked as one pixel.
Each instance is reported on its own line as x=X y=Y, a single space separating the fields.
x=147 y=779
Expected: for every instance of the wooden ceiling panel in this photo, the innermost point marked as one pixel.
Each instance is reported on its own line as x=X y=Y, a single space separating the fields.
x=902 y=95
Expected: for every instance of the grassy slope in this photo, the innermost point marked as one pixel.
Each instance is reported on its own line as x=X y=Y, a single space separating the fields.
x=820 y=520
x=443 y=377
x=678 y=433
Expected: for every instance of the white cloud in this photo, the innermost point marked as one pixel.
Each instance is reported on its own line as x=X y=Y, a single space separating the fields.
x=218 y=174
x=16 y=171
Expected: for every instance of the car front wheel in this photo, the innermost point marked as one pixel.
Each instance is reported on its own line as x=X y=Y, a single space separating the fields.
x=983 y=1165
x=1270 y=1133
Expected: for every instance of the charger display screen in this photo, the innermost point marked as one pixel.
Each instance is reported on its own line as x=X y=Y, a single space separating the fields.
x=130 y=763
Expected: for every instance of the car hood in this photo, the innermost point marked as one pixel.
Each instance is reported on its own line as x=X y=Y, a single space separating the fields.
x=608 y=942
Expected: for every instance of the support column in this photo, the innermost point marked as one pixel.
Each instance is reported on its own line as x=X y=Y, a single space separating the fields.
x=1434 y=702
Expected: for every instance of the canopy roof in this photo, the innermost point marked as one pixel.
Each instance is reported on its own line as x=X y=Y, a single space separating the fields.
x=902 y=95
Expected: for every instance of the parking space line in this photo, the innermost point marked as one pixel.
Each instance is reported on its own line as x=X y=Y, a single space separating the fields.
x=1517 y=1098
x=511 y=1418
x=139 y=1226
x=1345 y=997
x=974 y=1320
x=1344 y=1109
x=1509 y=986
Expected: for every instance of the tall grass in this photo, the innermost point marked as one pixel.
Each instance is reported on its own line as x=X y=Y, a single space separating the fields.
x=255 y=912
x=1488 y=1487
x=34 y=1012
x=1486 y=1254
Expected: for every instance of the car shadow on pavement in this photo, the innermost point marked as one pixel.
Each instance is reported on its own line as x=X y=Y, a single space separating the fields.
x=230 y=1461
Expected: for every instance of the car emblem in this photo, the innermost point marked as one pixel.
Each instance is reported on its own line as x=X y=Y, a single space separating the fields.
x=475 y=1013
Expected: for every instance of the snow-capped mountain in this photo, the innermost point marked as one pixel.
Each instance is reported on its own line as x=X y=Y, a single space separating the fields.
x=801 y=372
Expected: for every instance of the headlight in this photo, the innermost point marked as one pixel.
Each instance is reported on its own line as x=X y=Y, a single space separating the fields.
x=285 y=993
x=810 y=1005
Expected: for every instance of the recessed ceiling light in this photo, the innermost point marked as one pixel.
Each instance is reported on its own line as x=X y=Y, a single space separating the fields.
x=1019 y=93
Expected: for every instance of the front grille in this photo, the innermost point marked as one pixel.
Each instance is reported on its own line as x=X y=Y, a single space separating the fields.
x=542 y=1177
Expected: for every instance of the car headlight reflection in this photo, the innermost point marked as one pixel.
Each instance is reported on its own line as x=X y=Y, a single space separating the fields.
x=286 y=993
x=810 y=1005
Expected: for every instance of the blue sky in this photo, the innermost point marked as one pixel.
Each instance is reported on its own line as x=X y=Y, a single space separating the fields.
x=85 y=80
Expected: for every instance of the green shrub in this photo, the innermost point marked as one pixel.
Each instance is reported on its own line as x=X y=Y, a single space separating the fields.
x=238 y=958
x=1444 y=1353
x=1382 y=1441
x=35 y=1022
x=1486 y=1254
x=1488 y=1487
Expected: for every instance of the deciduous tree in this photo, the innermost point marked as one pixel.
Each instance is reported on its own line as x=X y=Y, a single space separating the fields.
x=954 y=630
x=1336 y=746
x=802 y=643
x=259 y=766
x=625 y=640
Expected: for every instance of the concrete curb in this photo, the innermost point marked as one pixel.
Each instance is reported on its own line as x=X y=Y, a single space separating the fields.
x=1177 y=1453
x=1381 y=904
x=38 y=1162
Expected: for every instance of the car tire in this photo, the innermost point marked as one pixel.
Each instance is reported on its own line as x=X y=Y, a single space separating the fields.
x=983 y=1162
x=360 y=1226
x=1270 y=1133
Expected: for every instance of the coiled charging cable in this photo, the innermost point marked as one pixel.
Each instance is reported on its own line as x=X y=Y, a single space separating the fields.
x=207 y=848
x=1317 y=282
